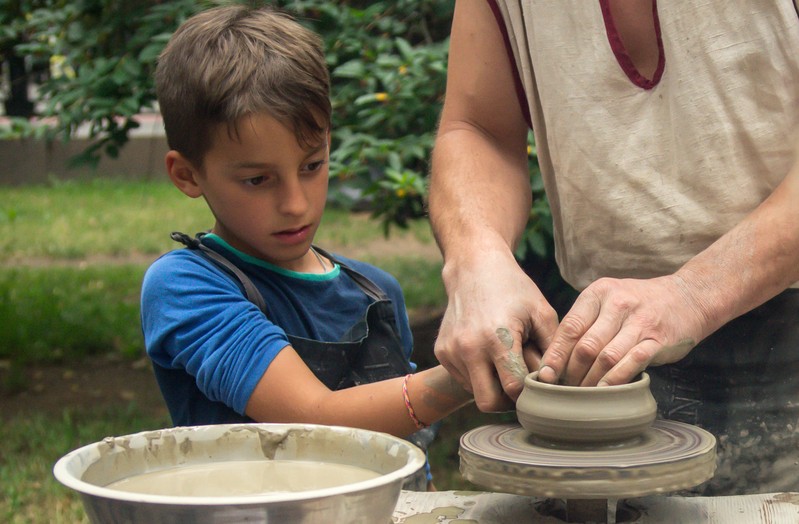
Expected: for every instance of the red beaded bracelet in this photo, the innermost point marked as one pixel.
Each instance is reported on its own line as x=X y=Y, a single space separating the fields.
x=419 y=424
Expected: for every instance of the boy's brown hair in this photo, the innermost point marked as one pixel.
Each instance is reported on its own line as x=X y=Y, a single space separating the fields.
x=225 y=63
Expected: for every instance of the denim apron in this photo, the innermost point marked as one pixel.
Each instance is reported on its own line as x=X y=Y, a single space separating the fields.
x=369 y=351
x=742 y=384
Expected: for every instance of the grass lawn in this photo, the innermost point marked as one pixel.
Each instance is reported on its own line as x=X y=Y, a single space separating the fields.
x=31 y=445
x=72 y=256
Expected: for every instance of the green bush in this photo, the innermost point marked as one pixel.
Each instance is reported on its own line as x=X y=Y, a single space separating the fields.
x=388 y=67
x=387 y=62
x=100 y=57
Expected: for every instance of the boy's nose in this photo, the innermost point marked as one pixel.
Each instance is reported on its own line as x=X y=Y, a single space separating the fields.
x=293 y=199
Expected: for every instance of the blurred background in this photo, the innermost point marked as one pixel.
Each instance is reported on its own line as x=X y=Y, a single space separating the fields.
x=85 y=207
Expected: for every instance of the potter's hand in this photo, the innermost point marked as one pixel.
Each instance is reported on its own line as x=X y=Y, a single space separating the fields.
x=617 y=328
x=496 y=324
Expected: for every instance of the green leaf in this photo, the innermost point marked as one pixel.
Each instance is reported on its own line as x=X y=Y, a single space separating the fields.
x=150 y=53
x=404 y=48
x=350 y=69
x=366 y=99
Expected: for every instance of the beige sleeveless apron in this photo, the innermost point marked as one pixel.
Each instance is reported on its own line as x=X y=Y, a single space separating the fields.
x=643 y=175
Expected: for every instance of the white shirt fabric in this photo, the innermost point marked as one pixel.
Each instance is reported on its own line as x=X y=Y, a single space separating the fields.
x=642 y=177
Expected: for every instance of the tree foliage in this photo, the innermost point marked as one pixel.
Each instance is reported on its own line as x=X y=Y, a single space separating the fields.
x=100 y=57
x=388 y=68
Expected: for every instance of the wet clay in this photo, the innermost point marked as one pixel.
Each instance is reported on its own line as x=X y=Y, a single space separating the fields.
x=244 y=492
x=587 y=443
x=504 y=336
x=514 y=363
x=243 y=478
x=585 y=414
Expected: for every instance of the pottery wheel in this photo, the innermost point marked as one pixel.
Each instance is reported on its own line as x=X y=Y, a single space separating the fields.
x=669 y=456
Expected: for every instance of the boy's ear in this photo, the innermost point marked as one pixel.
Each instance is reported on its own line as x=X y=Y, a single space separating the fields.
x=183 y=174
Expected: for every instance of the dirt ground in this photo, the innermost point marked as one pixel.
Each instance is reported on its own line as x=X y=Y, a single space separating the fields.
x=93 y=383
x=109 y=381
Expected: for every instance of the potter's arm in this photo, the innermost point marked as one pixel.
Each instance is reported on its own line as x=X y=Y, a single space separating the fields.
x=480 y=201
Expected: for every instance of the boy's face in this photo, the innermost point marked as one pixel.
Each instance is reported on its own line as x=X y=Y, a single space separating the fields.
x=266 y=192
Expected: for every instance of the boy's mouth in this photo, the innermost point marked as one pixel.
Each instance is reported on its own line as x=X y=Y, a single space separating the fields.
x=294 y=234
x=292 y=231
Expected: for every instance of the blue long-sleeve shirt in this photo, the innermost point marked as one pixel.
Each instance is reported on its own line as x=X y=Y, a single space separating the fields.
x=212 y=345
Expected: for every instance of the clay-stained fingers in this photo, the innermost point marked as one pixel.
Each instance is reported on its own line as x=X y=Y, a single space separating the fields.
x=557 y=359
x=476 y=372
x=491 y=367
x=489 y=395
x=481 y=335
x=618 y=327
x=496 y=369
x=624 y=353
x=509 y=362
x=595 y=349
x=531 y=353
x=634 y=362
x=648 y=352
x=540 y=334
x=455 y=366
x=466 y=360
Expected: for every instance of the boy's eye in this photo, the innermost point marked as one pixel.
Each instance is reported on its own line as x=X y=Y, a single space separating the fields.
x=315 y=166
x=254 y=181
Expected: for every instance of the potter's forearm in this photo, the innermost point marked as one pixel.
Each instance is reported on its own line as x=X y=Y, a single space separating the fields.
x=751 y=263
x=479 y=193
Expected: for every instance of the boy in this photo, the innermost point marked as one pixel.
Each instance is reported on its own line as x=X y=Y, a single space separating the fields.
x=253 y=323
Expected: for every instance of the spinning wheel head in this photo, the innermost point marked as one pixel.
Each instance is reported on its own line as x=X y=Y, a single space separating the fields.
x=668 y=456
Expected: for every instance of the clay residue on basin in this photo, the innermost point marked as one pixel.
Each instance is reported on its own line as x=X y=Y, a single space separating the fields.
x=129 y=455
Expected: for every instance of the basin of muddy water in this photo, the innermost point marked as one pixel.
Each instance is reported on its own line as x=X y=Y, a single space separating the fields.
x=243 y=472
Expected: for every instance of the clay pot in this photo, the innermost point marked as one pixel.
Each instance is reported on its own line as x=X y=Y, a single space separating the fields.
x=572 y=414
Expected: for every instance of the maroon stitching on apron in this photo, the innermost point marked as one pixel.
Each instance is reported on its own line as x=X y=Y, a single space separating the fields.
x=517 y=80
x=623 y=58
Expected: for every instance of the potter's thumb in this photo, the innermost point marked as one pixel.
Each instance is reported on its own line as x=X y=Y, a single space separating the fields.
x=547 y=374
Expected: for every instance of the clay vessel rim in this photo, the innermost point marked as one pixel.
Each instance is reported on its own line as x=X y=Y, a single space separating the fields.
x=531 y=381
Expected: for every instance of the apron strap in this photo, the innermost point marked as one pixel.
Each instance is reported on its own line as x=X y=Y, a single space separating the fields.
x=250 y=291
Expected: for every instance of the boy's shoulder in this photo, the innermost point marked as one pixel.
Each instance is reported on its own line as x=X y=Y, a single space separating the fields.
x=172 y=260
x=181 y=267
